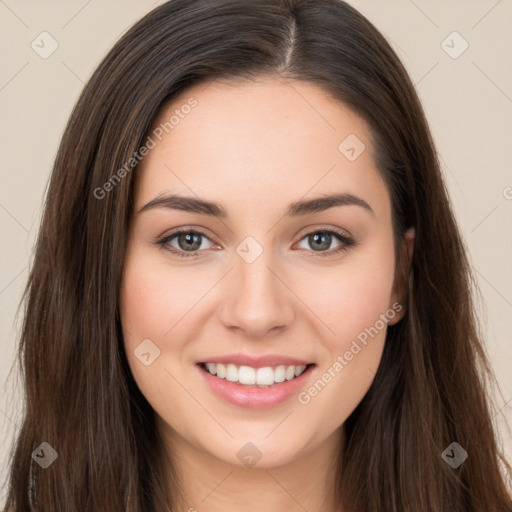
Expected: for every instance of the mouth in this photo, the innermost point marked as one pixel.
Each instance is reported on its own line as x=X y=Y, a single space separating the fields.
x=249 y=387
x=262 y=377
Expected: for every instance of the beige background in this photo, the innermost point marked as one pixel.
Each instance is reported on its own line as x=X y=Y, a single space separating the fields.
x=468 y=102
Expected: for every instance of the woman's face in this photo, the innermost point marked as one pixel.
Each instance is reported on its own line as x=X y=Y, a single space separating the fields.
x=283 y=278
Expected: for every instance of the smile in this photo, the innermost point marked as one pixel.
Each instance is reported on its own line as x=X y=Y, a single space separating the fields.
x=249 y=376
x=255 y=388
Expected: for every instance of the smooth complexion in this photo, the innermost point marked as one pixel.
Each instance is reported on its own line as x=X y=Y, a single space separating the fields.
x=255 y=149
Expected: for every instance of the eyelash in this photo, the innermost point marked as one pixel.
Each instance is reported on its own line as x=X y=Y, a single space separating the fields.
x=346 y=242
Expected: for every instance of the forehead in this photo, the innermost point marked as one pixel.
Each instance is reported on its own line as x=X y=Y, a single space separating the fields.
x=270 y=140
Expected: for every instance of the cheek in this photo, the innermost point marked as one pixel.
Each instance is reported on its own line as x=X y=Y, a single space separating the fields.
x=150 y=305
x=352 y=296
x=155 y=305
x=155 y=298
x=353 y=301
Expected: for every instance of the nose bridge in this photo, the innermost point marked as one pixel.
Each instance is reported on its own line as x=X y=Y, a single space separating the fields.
x=258 y=300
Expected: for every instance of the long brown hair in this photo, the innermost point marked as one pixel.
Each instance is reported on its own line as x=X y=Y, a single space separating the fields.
x=431 y=388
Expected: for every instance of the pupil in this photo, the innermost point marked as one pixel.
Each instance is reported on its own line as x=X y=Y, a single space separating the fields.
x=189 y=239
x=318 y=236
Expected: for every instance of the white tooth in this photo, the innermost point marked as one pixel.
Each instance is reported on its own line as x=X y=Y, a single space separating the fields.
x=261 y=377
x=290 y=372
x=280 y=373
x=232 y=373
x=221 y=371
x=212 y=368
x=246 y=375
x=299 y=370
x=265 y=376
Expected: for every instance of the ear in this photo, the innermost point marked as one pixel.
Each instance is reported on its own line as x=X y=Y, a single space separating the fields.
x=400 y=285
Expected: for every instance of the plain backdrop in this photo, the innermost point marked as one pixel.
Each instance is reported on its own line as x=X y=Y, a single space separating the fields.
x=458 y=53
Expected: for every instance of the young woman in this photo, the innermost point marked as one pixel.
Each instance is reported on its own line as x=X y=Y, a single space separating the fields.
x=249 y=291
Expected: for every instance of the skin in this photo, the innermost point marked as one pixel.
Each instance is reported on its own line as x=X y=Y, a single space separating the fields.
x=255 y=148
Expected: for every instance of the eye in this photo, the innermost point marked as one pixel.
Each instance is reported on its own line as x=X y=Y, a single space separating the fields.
x=188 y=241
x=321 y=239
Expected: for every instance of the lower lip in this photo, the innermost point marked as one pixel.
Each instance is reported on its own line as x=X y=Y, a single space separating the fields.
x=253 y=397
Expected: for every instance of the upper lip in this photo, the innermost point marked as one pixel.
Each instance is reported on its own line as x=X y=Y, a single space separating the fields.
x=256 y=361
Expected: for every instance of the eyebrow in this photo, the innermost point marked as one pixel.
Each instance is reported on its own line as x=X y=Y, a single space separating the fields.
x=296 y=209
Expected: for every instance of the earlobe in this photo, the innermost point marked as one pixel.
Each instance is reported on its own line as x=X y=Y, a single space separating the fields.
x=400 y=286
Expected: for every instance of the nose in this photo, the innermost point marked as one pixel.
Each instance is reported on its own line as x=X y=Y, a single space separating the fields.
x=257 y=299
